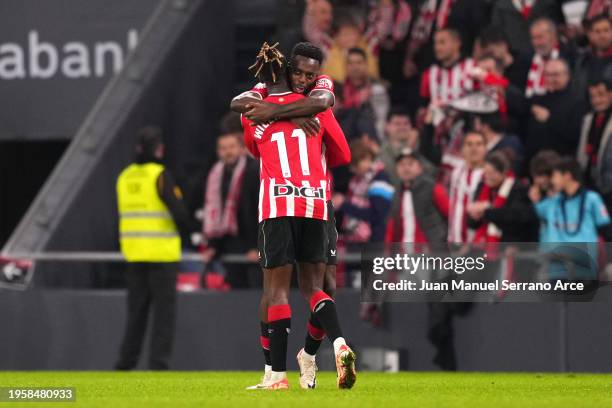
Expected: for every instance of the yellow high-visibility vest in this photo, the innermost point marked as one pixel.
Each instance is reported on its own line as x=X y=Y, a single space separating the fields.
x=146 y=228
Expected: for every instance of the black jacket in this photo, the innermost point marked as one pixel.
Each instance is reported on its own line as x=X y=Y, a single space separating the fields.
x=562 y=129
x=517 y=219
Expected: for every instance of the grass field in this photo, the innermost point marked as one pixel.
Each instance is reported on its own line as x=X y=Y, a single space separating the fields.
x=215 y=389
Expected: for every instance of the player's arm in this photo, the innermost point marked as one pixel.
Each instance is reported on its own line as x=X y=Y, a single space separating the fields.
x=240 y=103
x=337 y=149
x=249 y=139
x=320 y=98
x=262 y=111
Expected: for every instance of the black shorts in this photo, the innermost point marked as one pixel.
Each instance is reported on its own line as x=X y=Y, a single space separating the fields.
x=291 y=239
x=332 y=236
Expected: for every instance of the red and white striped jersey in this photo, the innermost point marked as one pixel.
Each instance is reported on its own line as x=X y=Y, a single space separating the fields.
x=463 y=185
x=448 y=84
x=322 y=83
x=294 y=175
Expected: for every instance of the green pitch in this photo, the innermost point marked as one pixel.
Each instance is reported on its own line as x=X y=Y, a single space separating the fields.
x=220 y=389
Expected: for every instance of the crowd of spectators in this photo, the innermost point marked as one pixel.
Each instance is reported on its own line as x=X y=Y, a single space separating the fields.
x=464 y=116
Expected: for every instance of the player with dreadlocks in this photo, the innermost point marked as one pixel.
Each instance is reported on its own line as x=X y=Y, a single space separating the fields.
x=304 y=66
x=293 y=216
x=305 y=63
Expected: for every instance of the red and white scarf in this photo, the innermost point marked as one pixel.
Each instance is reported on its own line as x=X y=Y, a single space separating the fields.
x=598 y=7
x=423 y=27
x=219 y=219
x=535 y=78
x=524 y=7
x=388 y=24
x=464 y=182
x=489 y=232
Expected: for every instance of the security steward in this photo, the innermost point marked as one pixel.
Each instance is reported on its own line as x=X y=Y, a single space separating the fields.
x=151 y=218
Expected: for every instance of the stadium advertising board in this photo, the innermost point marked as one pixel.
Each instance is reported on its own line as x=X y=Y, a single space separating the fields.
x=55 y=59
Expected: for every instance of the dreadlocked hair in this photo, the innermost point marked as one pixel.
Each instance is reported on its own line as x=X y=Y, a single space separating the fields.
x=269 y=64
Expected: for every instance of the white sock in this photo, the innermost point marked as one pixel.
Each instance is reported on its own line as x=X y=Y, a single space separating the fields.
x=267 y=368
x=278 y=376
x=309 y=356
x=338 y=343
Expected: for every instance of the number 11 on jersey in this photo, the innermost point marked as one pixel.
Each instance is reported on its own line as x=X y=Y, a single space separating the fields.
x=279 y=139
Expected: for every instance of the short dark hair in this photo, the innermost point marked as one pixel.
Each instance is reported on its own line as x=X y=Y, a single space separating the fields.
x=236 y=135
x=473 y=132
x=360 y=151
x=358 y=51
x=548 y=21
x=149 y=139
x=398 y=111
x=500 y=161
x=230 y=123
x=308 y=50
x=452 y=31
x=492 y=35
x=589 y=23
x=344 y=20
x=499 y=64
x=494 y=121
x=569 y=164
x=543 y=162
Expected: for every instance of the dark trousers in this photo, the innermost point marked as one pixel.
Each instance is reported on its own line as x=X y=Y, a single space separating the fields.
x=150 y=286
x=239 y=275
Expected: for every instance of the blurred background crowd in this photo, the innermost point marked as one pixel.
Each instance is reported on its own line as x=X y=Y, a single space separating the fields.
x=458 y=113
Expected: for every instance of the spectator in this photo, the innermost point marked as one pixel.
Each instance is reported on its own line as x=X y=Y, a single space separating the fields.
x=592 y=62
x=513 y=18
x=546 y=46
x=464 y=181
x=598 y=7
x=540 y=170
x=515 y=67
x=360 y=89
x=595 y=147
x=420 y=206
x=356 y=122
x=230 y=210
x=555 y=117
x=492 y=127
x=317 y=23
x=399 y=135
x=389 y=22
x=449 y=79
x=347 y=35
x=501 y=211
x=431 y=17
x=368 y=200
x=575 y=214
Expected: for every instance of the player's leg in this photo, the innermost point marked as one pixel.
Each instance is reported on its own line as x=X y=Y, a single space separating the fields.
x=279 y=323
x=314 y=331
x=312 y=252
x=277 y=255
